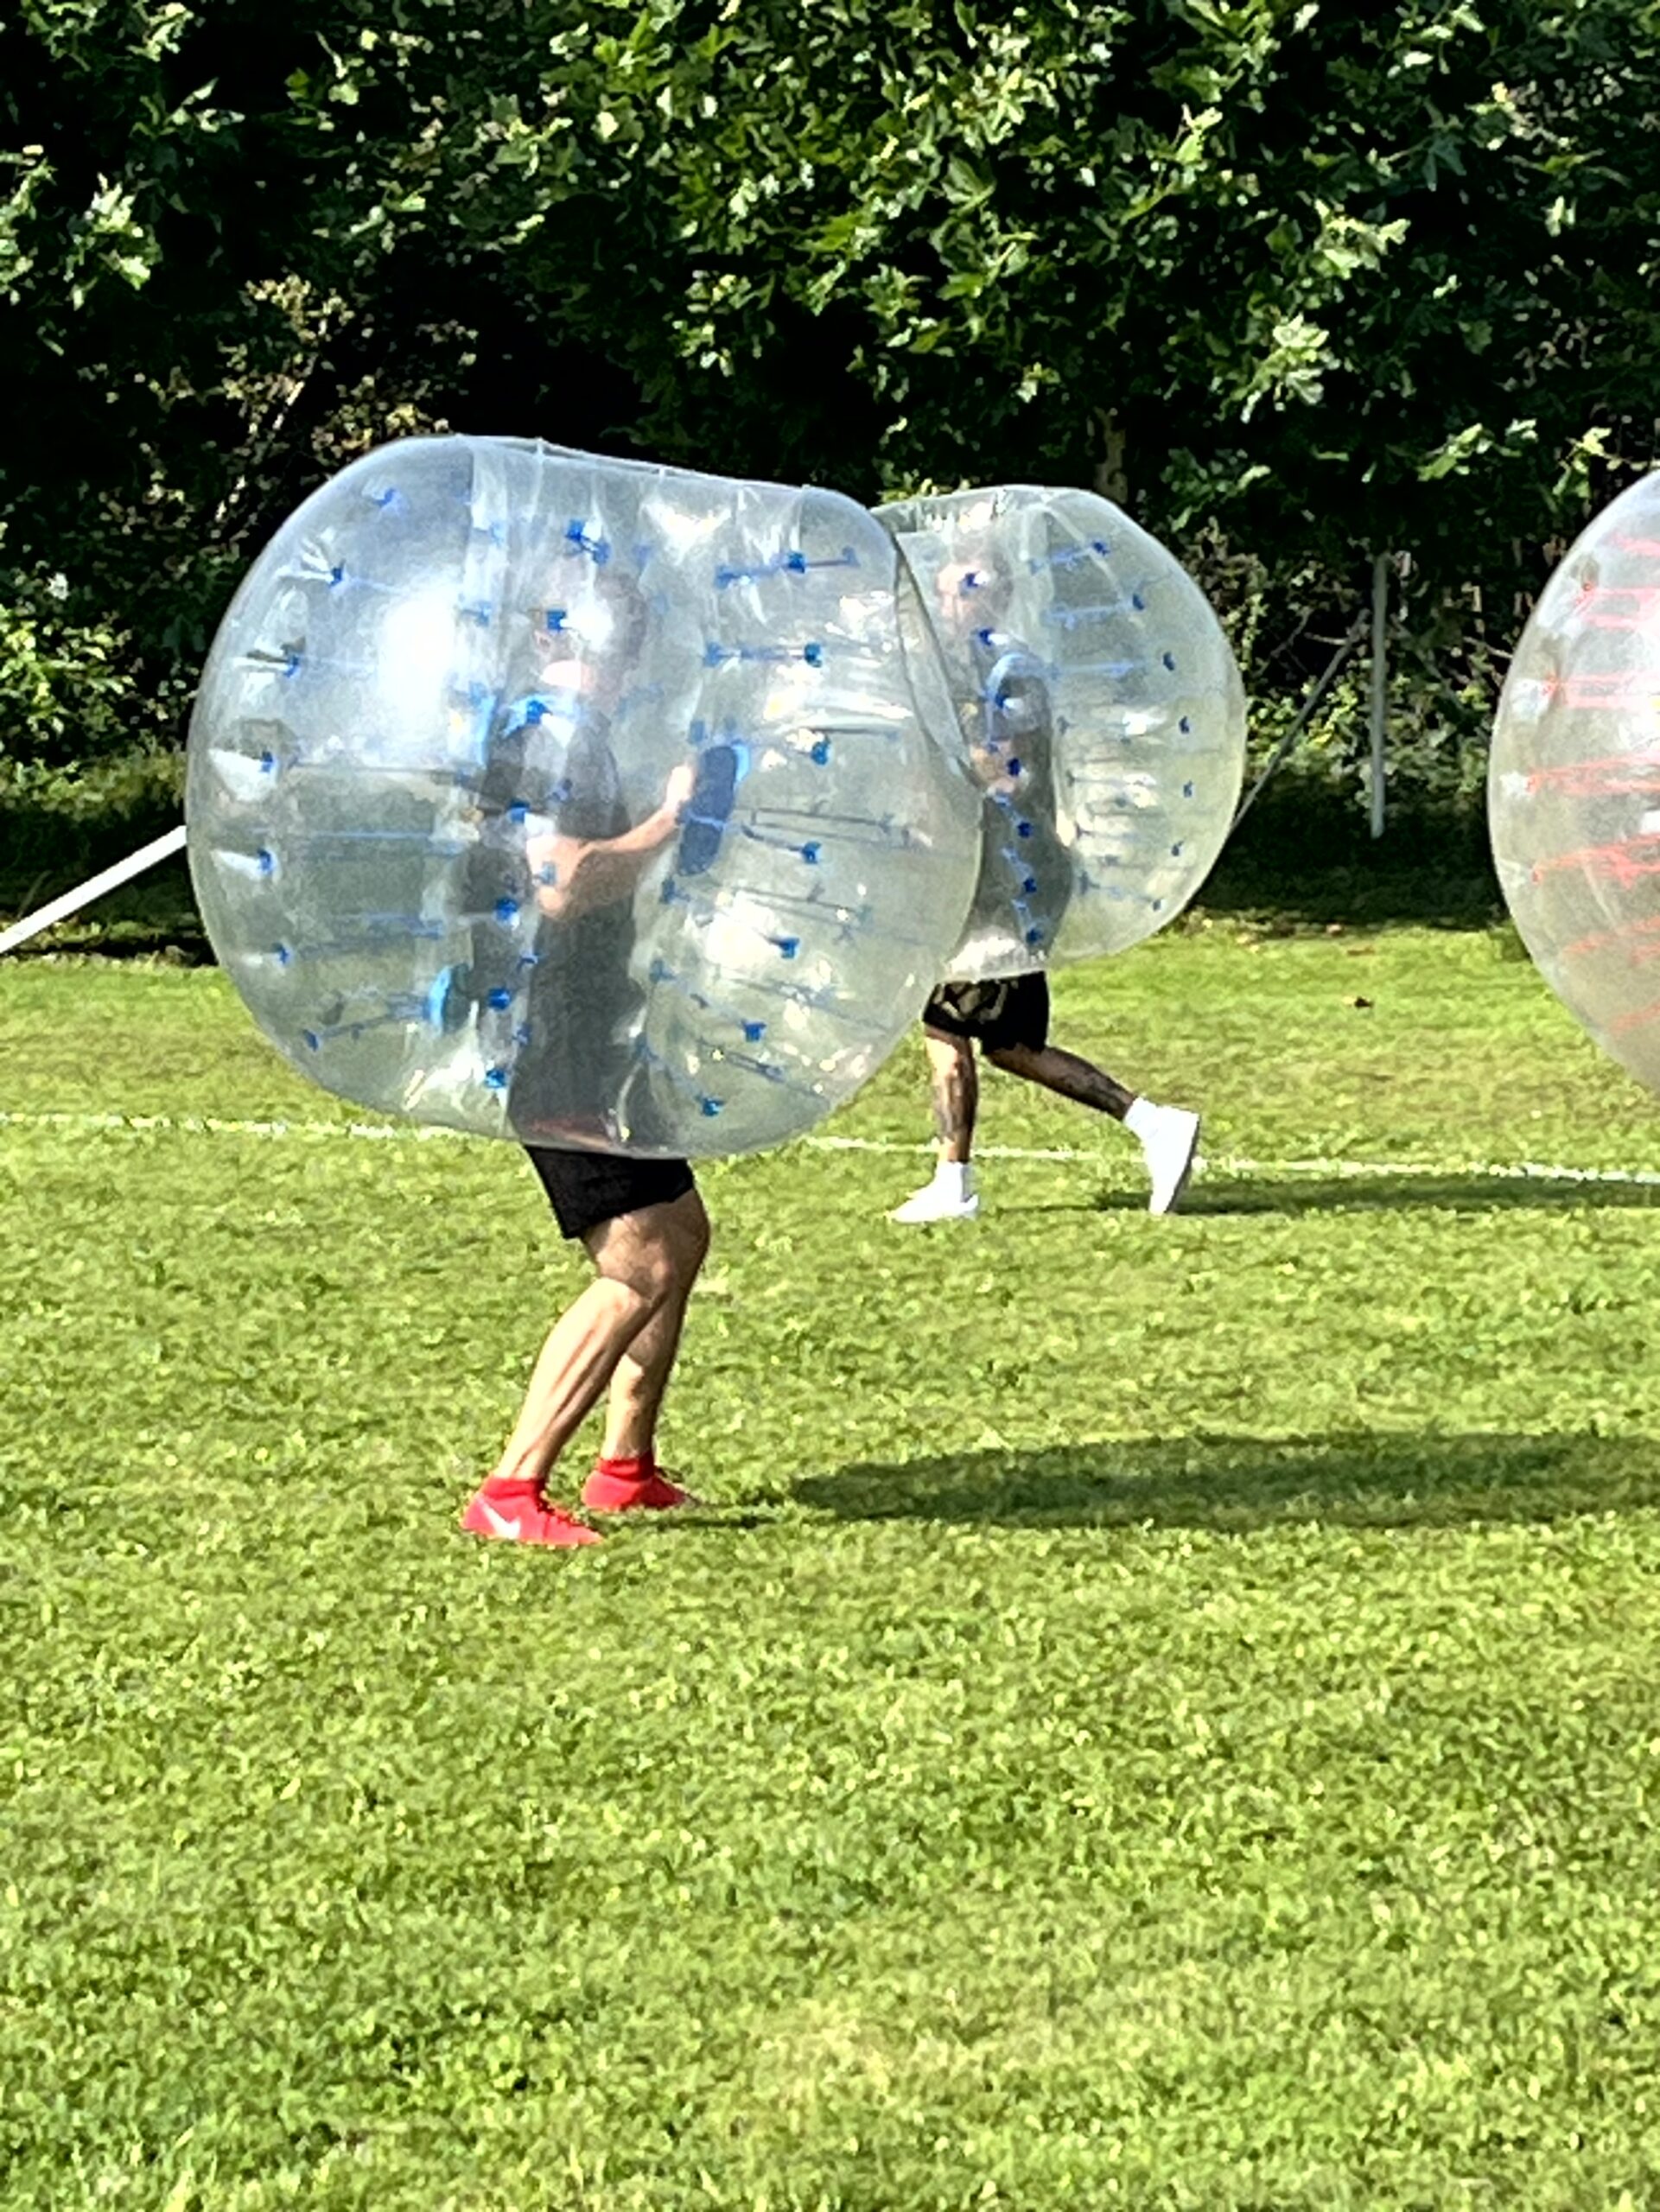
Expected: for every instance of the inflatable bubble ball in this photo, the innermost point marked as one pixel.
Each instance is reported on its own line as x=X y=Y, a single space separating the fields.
x=1103 y=712
x=1574 y=781
x=578 y=801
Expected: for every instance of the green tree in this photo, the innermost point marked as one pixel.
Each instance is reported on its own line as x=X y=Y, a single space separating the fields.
x=1300 y=281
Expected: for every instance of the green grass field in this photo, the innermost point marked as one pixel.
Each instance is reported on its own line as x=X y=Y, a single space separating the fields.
x=1158 y=1714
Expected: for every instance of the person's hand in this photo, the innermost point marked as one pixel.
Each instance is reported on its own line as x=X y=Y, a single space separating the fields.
x=990 y=770
x=676 y=792
x=553 y=862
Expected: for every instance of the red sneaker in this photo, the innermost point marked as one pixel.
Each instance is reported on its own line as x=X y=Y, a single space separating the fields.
x=632 y=1486
x=519 y=1514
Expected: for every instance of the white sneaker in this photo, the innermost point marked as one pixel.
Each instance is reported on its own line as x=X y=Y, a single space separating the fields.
x=938 y=1202
x=1168 y=1147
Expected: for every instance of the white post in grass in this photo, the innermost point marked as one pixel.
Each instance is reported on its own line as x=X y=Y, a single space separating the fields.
x=1380 y=600
x=59 y=910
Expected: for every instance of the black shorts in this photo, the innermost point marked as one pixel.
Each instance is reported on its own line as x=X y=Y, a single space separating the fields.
x=587 y=1188
x=1003 y=1011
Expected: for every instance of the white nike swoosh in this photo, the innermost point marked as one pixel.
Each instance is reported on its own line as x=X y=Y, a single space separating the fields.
x=500 y=1521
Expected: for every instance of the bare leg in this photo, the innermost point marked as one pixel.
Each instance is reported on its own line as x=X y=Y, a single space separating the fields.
x=639 y=1256
x=642 y=1373
x=1168 y=1135
x=574 y=1367
x=1064 y=1073
x=954 y=1081
x=955 y=1085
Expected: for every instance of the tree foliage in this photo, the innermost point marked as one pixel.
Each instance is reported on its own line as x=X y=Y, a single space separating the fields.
x=1301 y=280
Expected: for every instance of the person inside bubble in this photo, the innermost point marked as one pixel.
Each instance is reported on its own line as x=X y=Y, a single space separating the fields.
x=641 y=1220
x=574 y=1063
x=1025 y=885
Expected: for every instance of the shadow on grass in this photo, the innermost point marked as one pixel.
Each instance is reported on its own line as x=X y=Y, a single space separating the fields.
x=1304 y=1194
x=1239 y=1483
x=1304 y=858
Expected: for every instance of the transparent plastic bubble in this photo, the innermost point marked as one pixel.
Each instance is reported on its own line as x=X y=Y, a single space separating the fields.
x=578 y=801
x=1574 y=781
x=1102 y=710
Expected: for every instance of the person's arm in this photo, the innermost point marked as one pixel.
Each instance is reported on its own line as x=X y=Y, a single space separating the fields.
x=576 y=874
x=1015 y=733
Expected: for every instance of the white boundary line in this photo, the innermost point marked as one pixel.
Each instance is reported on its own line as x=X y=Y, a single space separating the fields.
x=1224 y=1165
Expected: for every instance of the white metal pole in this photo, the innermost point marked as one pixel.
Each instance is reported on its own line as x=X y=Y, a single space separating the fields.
x=59 y=910
x=1380 y=600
